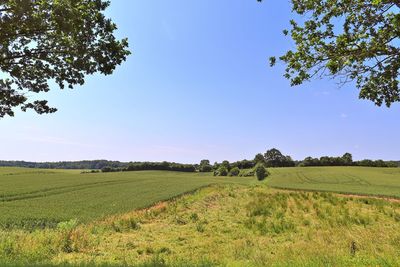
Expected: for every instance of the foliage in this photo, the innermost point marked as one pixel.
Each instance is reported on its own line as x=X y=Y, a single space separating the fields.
x=222 y=171
x=205 y=166
x=54 y=40
x=349 y=40
x=261 y=172
x=259 y=158
x=274 y=158
x=346 y=160
x=84 y=164
x=243 y=164
x=226 y=165
x=160 y=166
x=247 y=173
x=234 y=172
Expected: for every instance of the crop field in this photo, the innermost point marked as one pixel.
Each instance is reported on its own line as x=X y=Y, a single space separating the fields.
x=31 y=198
x=356 y=180
x=36 y=198
x=145 y=218
x=224 y=225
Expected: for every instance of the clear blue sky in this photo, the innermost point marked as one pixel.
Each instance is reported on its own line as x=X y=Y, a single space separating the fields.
x=198 y=85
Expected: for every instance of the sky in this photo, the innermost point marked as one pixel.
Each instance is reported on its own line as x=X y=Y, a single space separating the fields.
x=198 y=86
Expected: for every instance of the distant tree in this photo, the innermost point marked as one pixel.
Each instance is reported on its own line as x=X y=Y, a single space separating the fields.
x=215 y=166
x=51 y=40
x=350 y=40
x=234 y=172
x=259 y=158
x=261 y=172
x=226 y=164
x=274 y=158
x=347 y=159
x=243 y=164
x=205 y=166
x=310 y=161
x=204 y=162
x=222 y=171
x=289 y=162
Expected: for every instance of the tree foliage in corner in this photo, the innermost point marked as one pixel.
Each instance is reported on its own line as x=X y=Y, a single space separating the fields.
x=58 y=40
x=351 y=40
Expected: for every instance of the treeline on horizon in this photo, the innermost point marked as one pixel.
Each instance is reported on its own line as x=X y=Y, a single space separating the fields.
x=270 y=159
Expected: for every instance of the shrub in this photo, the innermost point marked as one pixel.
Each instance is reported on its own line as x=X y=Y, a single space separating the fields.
x=222 y=171
x=234 y=172
x=261 y=172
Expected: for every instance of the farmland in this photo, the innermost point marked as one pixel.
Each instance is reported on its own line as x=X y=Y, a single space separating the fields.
x=145 y=218
x=32 y=198
x=224 y=225
x=356 y=180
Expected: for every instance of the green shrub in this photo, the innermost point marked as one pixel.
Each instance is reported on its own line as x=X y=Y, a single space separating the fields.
x=261 y=172
x=234 y=172
x=222 y=171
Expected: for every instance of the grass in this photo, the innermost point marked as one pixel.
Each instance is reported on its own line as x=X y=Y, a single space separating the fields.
x=65 y=218
x=355 y=180
x=225 y=225
x=32 y=198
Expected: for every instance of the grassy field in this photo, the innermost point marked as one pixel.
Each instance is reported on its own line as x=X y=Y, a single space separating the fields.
x=225 y=225
x=357 y=180
x=65 y=217
x=32 y=198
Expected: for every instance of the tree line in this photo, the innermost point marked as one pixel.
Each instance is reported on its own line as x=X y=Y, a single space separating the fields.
x=272 y=158
x=84 y=164
x=152 y=166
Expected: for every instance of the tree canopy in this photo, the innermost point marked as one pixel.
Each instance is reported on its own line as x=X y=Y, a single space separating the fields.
x=350 y=40
x=52 y=40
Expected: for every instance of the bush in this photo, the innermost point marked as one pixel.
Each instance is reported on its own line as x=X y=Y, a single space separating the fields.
x=261 y=172
x=222 y=171
x=234 y=172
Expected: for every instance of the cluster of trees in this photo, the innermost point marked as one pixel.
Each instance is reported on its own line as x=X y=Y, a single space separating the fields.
x=274 y=158
x=153 y=166
x=85 y=164
x=259 y=170
x=270 y=159
x=347 y=160
x=244 y=168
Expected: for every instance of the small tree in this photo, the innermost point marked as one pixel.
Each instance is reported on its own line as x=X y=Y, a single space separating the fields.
x=205 y=166
x=234 y=171
x=259 y=158
x=347 y=159
x=261 y=172
x=222 y=171
x=226 y=164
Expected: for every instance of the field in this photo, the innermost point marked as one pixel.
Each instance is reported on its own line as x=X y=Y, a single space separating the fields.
x=146 y=219
x=225 y=225
x=356 y=180
x=31 y=198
